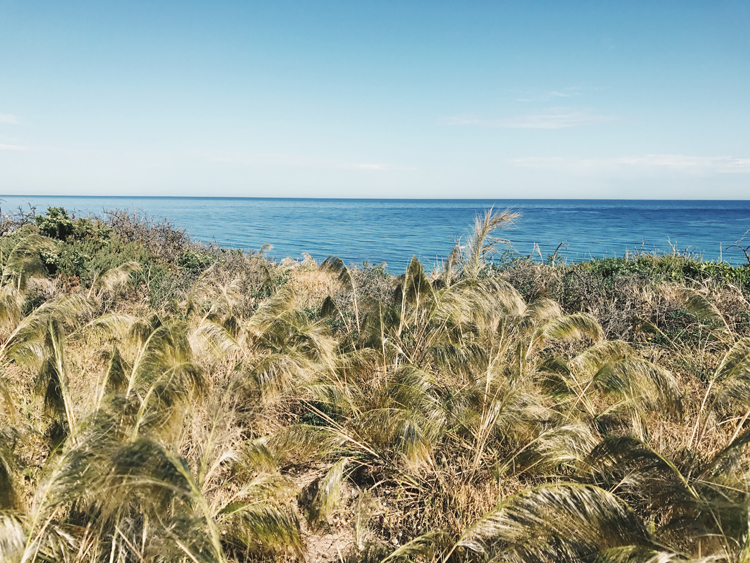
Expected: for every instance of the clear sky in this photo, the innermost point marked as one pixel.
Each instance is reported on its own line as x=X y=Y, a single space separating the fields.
x=556 y=99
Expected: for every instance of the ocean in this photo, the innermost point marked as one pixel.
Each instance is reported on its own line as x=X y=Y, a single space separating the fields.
x=392 y=231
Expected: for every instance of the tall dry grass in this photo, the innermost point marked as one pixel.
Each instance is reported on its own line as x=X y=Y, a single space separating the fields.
x=488 y=411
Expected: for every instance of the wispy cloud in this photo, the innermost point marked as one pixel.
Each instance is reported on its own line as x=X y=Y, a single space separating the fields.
x=288 y=161
x=678 y=163
x=8 y=119
x=12 y=148
x=549 y=95
x=367 y=166
x=555 y=118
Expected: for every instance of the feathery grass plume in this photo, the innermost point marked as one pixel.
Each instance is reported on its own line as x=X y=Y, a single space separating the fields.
x=277 y=374
x=111 y=325
x=283 y=303
x=542 y=310
x=378 y=324
x=113 y=280
x=728 y=460
x=416 y=290
x=219 y=292
x=246 y=497
x=482 y=243
x=116 y=376
x=594 y=358
x=257 y=527
x=216 y=338
x=432 y=546
x=641 y=383
x=287 y=349
x=495 y=413
x=632 y=467
x=364 y=512
x=405 y=432
x=735 y=363
x=328 y=496
x=575 y=326
x=449 y=273
x=162 y=376
x=12 y=537
x=732 y=377
x=25 y=261
x=576 y=377
x=257 y=516
x=557 y=449
x=358 y=365
x=8 y=495
x=402 y=417
x=557 y=381
x=705 y=507
x=640 y=554
x=706 y=311
x=300 y=444
x=336 y=265
x=134 y=492
x=329 y=308
x=52 y=380
x=159 y=348
x=256 y=454
x=650 y=328
x=165 y=402
x=560 y=522
x=11 y=302
x=463 y=359
x=8 y=410
x=25 y=345
x=478 y=306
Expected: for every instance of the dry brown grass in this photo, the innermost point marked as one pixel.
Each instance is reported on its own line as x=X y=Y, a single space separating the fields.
x=314 y=285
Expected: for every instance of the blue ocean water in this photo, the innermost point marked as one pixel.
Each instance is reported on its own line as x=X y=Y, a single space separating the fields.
x=392 y=231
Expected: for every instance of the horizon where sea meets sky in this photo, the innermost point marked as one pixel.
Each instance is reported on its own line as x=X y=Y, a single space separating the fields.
x=624 y=100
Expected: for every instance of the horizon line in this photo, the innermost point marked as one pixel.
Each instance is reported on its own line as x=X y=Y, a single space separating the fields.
x=361 y=198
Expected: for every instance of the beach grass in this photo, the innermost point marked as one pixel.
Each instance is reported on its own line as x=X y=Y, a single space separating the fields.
x=166 y=400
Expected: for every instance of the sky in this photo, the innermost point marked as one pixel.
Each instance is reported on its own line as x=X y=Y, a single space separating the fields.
x=376 y=99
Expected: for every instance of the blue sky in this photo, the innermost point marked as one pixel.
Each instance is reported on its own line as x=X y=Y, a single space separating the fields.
x=376 y=99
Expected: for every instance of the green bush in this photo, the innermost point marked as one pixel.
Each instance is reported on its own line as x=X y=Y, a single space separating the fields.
x=57 y=224
x=195 y=261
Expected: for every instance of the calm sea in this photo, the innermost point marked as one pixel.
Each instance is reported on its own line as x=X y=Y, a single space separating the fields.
x=392 y=231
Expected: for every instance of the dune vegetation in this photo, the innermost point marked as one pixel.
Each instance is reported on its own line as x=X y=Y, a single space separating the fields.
x=163 y=400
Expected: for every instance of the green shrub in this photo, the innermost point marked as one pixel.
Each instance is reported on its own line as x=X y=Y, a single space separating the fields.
x=57 y=224
x=195 y=261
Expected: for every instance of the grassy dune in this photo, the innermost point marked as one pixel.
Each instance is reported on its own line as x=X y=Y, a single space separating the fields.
x=163 y=400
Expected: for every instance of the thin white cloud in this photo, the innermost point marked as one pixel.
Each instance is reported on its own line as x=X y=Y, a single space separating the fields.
x=12 y=148
x=288 y=161
x=8 y=119
x=366 y=166
x=679 y=163
x=557 y=118
x=536 y=96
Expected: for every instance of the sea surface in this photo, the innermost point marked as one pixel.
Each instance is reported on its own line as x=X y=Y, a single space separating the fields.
x=392 y=231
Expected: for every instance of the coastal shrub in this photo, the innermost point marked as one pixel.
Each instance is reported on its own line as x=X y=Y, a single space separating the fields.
x=195 y=261
x=57 y=224
x=10 y=222
x=161 y=238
